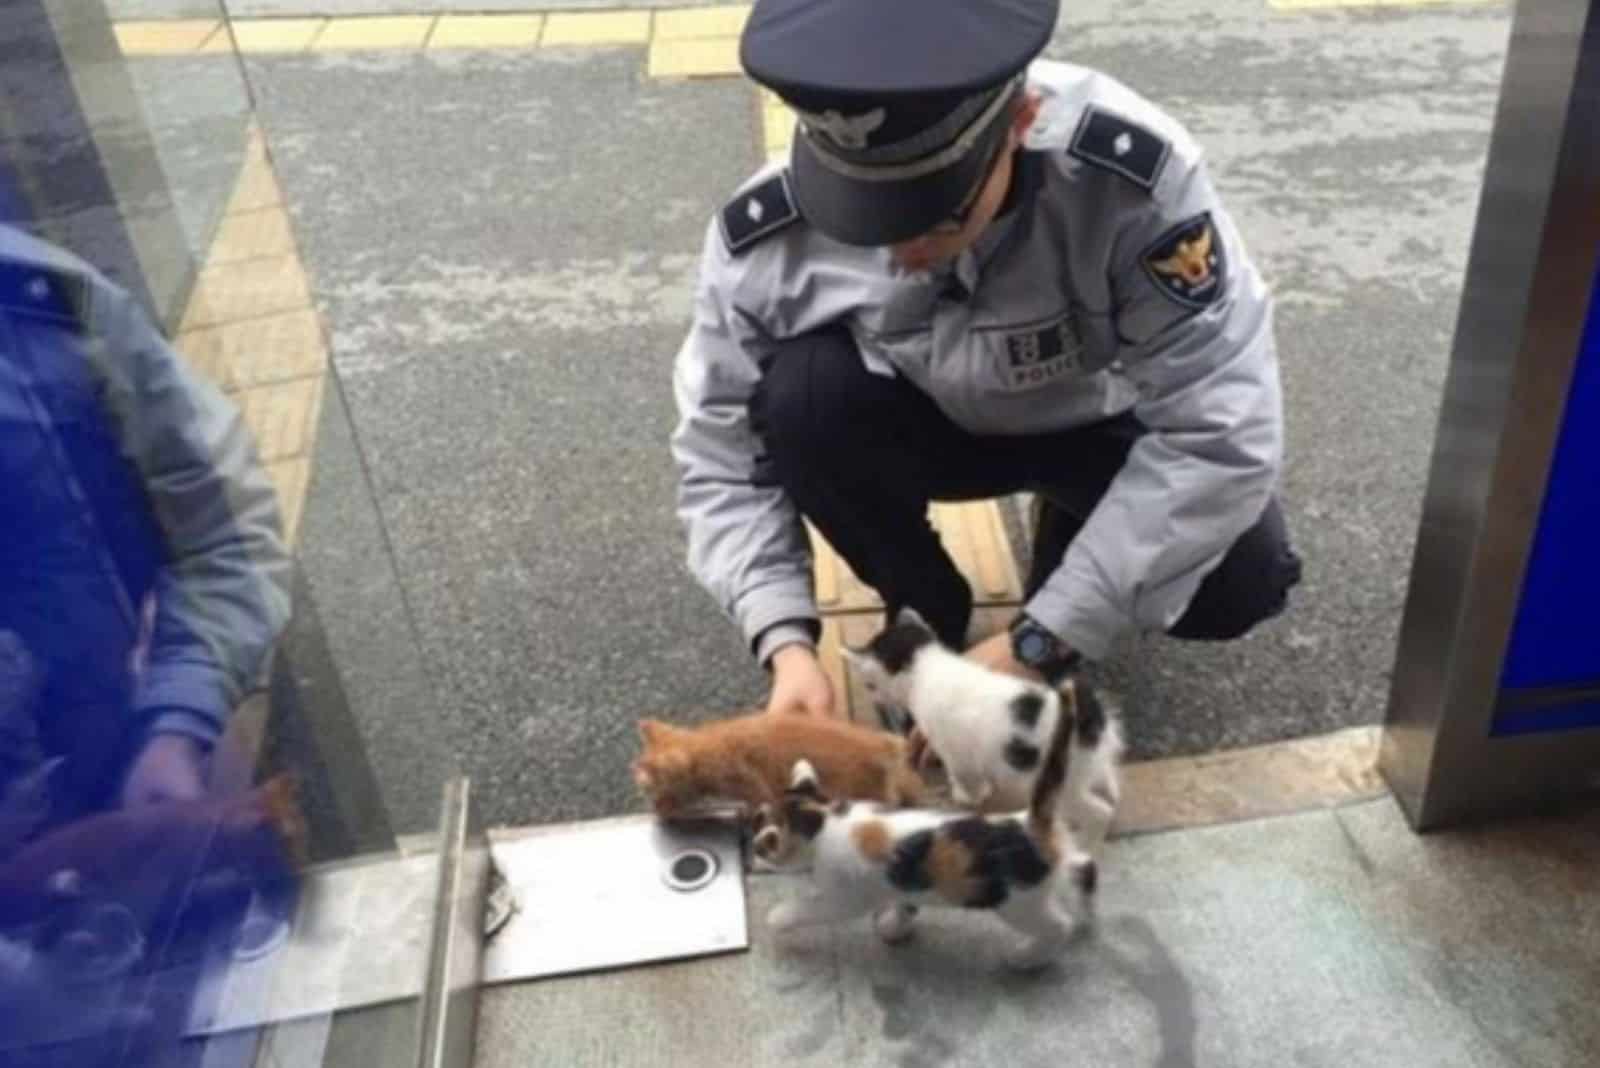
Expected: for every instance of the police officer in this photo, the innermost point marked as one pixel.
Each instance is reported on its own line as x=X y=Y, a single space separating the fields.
x=979 y=273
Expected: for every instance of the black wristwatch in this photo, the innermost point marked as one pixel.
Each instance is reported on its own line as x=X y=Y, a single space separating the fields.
x=1035 y=647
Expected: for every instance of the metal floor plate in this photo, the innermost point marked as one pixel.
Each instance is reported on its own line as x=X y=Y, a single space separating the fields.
x=599 y=894
x=605 y=894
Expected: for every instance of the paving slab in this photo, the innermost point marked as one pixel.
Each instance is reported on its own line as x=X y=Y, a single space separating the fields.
x=1324 y=939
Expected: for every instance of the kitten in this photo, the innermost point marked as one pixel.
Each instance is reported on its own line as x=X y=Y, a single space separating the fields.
x=988 y=728
x=748 y=758
x=866 y=859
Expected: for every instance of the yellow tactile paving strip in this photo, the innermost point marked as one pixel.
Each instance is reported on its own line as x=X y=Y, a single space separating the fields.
x=487 y=31
x=250 y=327
x=777 y=125
x=696 y=42
x=974 y=536
x=595 y=28
x=691 y=42
x=375 y=33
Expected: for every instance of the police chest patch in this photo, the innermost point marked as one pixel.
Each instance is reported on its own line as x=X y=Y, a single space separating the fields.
x=1041 y=355
x=1115 y=144
x=1187 y=263
x=757 y=212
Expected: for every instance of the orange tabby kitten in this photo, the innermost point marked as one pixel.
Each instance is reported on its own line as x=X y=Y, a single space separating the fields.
x=750 y=757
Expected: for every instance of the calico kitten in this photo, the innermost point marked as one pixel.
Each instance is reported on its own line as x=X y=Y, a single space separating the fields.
x=989 y=728
x=748 y=758
x=865 y=859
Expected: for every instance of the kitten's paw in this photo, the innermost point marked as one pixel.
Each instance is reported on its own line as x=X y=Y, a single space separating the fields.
x=768 y=844
x=1086 y=877
x=894 y=922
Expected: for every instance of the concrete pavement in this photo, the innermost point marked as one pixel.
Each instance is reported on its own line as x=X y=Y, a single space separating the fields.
x=501 y=245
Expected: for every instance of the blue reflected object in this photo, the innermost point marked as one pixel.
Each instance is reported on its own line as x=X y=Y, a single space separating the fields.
x=1553 y=643
x=143 y=582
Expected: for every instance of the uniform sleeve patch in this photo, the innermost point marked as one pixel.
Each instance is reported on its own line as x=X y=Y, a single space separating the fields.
x=58 y=296
x=1112 y=142
x=757 y=213
x=1187 y=263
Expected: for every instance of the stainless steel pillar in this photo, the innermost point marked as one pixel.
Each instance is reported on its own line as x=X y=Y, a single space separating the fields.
x=1495 y=702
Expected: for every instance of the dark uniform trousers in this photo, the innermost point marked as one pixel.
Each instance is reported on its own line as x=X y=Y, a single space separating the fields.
x=862 y=455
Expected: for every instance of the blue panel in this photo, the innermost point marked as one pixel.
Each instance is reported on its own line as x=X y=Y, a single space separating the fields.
x=1554 y=641
x=1567 y=717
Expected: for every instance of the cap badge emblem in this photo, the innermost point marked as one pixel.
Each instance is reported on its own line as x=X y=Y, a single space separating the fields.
x=846 y=131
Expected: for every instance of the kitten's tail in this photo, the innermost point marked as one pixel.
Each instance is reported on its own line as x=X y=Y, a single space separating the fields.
x=1053 y=772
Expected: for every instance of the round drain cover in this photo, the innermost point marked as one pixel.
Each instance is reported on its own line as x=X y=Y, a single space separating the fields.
x=690 y=869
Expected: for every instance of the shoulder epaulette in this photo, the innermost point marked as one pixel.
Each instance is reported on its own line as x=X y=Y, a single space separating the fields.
x=757 y=213
x=1109 y=141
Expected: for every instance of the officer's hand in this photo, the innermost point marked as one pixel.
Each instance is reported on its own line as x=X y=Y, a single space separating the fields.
x=994 y=653
x=799 y=684
x=170 y=767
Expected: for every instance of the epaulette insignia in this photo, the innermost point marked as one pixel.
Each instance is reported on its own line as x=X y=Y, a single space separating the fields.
x=757 y=213
x=37 y=292
x=1112 y=142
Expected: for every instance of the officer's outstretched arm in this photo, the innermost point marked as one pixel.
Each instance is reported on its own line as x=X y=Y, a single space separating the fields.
x=747 y=546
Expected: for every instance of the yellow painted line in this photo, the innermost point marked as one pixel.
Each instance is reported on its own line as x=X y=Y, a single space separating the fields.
x=251 y=329
x=597 y=28
x=164 y=37
x=374 y=33
x=487 y=31
x=724 y=21
x=258 y=36
x=283 y=416
x=713 y=57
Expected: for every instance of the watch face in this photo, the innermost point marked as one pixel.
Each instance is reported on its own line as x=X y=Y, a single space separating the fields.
x=1032 y=647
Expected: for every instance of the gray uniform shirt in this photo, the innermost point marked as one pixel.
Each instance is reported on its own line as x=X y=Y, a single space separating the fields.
x=1120 y=283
